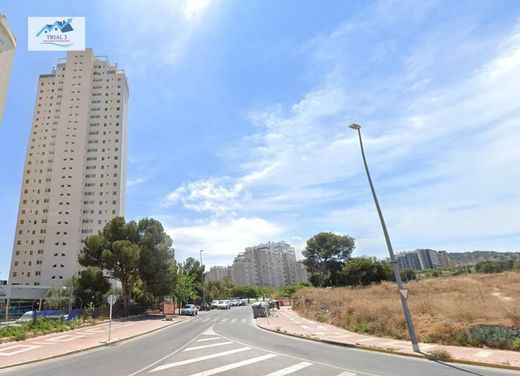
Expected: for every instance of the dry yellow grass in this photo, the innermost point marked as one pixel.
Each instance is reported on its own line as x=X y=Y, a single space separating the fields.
x=442 y=308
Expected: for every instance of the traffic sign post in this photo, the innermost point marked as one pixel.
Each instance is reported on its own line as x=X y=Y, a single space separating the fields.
x=404 y=293
x=111 y=299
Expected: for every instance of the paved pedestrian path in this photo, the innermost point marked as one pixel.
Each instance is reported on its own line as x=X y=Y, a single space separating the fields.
x=288 y=321
x=87 y=337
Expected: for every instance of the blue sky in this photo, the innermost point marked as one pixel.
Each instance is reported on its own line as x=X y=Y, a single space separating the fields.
x=239 y=110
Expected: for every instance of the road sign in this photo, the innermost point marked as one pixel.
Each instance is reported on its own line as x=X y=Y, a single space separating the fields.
x=404 y=293
x=111 y=299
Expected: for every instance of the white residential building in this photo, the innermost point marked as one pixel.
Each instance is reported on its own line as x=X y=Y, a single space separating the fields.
x=75 y=167
x=268 y=264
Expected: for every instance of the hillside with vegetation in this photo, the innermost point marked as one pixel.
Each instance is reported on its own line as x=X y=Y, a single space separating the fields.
x=472 y=310
x=474 y=257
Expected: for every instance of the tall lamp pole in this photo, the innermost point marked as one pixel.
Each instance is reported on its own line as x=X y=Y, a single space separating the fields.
x=395 y=266
x=202 y=279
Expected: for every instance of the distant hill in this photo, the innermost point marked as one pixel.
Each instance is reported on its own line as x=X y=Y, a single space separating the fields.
x=474 y=257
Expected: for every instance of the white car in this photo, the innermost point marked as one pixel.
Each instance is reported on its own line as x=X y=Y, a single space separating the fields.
x=189 y=309
x=224 y=304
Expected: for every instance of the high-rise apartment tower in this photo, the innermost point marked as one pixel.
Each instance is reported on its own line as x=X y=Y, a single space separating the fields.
x=7 y=47
x=75 y=168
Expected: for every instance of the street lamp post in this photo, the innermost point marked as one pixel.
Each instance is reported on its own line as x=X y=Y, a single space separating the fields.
x=395 y=266
x=202 y=279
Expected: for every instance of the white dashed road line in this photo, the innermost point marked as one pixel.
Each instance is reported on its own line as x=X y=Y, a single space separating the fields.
x=228 y=367
x=207 y=346
x=291 y=369
x=200 y=358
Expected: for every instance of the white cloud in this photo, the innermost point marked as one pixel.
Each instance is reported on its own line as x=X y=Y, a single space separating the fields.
x=443 y=151
x=221 y=239
x=209 y=196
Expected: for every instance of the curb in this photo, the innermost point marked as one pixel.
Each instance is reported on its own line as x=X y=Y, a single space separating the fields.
x=92 y=347
x=392 y=352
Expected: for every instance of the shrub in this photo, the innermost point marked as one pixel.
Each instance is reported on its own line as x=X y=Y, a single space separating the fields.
x=439 y=355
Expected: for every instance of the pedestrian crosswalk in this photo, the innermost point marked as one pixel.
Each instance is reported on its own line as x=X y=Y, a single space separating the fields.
x=212 y=354
x=226 y=320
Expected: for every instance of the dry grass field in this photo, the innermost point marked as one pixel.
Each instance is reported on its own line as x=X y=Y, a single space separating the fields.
x=450 y=310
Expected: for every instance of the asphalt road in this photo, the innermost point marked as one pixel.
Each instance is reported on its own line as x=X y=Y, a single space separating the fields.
x=228 y=343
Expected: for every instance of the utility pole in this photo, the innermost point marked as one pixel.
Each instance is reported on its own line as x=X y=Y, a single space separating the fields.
x=395 y=265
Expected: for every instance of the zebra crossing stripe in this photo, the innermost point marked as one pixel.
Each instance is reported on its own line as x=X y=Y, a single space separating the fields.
x=291 y=369
x=207 y=339
x=223 y=320
x=234 y=320
x=243 y=321
x=234 y=365
x=206 y=346
x=200 y=358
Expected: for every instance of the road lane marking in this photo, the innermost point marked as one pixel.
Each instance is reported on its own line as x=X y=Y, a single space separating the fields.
x=291 y=369
x=64 y=338
x=234 y=320
x=228 y=367
x=206 y=346
x=207 y=339
x=200 y=358
x=297 y=357
x=209 y=330
x=22 y=348
x=346 y=373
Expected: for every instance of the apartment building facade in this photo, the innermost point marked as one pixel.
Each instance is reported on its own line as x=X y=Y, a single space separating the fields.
x=269 y=264
x=74 y=177
x=7 y=48
x=420 y=259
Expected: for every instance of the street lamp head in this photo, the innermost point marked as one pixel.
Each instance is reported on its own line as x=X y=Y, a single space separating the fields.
x=355 y=126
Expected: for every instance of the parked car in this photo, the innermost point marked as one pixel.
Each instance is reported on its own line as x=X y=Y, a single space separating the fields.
x=235 y=302
x=224 y=304
x=214 y=304
x=205 y=307
x=189 y=309
x=46 y=314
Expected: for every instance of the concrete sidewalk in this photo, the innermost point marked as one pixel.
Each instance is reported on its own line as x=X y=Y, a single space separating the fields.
x=88 y=337
x=286 y=321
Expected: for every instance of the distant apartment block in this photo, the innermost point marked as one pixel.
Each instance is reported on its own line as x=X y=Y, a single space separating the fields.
x=269 y=264
x=423 y=259
x=7 y=47
x=218 y=273
x=74 y=177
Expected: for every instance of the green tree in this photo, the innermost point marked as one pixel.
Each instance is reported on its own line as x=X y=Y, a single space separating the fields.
x=247 y=291
x=407 y=275
x=324 y=253
x=365 y=270
x=61 y=297
x=495 y=266
x=156 y=253
x=92 y=286
x=185 y=289
x=289 y=290
x=116 y=250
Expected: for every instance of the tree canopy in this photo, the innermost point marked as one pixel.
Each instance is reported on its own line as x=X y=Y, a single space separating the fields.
x=365 y=270
x=131 y=253
x=325 y=254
